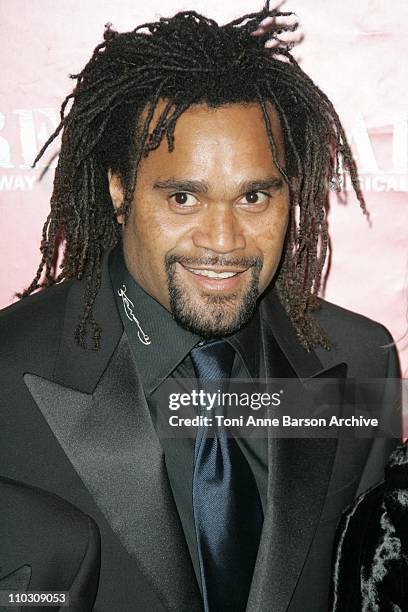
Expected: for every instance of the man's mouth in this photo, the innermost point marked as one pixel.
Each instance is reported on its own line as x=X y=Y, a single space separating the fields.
x=214 y=273
x=218 y=279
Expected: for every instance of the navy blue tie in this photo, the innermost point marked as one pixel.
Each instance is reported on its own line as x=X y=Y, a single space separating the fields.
x=226 y=504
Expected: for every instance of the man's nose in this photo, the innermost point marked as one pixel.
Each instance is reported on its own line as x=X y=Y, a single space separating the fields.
x=219 y=231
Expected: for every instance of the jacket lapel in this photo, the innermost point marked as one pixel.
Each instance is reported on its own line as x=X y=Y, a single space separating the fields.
x=96 y=408
x=299 y=469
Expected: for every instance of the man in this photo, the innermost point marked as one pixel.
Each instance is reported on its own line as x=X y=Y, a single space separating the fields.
x=190 y=192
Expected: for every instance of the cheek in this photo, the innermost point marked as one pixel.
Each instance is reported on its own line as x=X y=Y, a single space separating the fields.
x=145 y=234
x=153 y=236
x=152 y=221
x=273 y=231
x=141 y=248
x=270 y=242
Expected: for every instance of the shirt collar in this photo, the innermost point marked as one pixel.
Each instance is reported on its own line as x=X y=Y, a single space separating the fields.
x=159 y=343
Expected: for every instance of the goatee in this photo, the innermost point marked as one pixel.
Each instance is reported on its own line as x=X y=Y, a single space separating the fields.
x=212 y=315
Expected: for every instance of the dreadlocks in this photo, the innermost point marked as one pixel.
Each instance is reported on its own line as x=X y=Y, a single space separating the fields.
x=184 y=60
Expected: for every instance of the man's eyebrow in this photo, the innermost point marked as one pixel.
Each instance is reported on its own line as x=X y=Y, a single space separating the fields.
x=182 y=185
x=193 y=186
x=275 y=182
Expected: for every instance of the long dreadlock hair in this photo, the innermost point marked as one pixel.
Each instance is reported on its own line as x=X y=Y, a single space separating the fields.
x=189 y=59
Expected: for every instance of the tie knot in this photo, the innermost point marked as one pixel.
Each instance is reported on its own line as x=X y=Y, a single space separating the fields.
x=213 y=360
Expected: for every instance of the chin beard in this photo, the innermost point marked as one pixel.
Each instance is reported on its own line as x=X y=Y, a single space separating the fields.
x=208 y=315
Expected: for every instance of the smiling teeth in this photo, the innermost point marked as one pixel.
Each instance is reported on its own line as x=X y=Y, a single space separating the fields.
x=212 y=274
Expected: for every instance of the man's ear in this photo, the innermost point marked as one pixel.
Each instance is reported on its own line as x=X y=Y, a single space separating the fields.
x=116 y=194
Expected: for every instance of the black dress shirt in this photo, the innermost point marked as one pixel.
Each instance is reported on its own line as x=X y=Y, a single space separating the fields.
x=161 y=349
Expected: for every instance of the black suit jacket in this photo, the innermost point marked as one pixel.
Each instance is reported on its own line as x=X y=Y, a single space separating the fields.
x=76 y=423
x=46 y=544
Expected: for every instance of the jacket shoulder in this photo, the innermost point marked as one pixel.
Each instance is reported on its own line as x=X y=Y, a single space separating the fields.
x=31 y=327
x=357 y=339
x=337 y=319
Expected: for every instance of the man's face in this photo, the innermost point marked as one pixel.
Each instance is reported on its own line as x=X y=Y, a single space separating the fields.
x=208 y=220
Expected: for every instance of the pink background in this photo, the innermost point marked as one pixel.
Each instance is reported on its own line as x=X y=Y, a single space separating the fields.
x=355 y=51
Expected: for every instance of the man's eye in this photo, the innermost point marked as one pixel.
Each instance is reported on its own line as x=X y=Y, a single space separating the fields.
x=254 y=197
x=184 y=199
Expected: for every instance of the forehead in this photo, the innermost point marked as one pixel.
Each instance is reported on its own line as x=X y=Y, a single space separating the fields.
x=230 y=139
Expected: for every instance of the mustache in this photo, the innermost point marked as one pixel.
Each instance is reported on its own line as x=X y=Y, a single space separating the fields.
x=221 y=261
